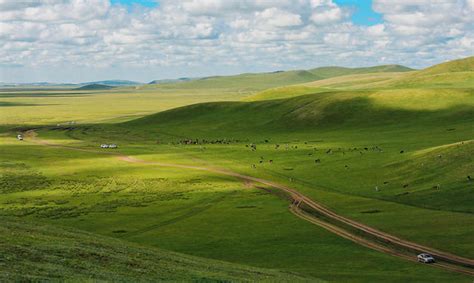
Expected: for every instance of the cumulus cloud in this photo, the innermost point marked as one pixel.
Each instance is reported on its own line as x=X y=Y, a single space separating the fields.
x=224 y=36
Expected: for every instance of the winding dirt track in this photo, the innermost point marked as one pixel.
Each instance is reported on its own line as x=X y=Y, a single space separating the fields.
x=376 y=240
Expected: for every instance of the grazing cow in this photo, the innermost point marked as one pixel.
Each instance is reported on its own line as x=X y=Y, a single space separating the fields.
x=376 y=188
x=347 y=167
x=261 y=161
x=254 y=166
x=317 y=161
x=402 y=151
x=469 y=178
x=405 y=186
x=270 y=161
x=329 y=151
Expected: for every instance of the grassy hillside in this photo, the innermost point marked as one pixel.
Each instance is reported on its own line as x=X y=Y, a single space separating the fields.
x=349 y=82
x=284 y=92
x=331 y=72
x=186 y=211
x=315 y=112
x=255 y=82
x=454 y=74
x=372 y=147
x=247 y=82
x=39 y=252
x=413 y=144
x=461 y=65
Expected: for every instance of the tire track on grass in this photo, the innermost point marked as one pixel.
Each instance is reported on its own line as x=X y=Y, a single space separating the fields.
x=392 y=245
x=199 y=208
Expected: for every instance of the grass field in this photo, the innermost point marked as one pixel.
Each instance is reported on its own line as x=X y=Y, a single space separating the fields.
x=373 y=147
x=32 y=251
x=46 y=107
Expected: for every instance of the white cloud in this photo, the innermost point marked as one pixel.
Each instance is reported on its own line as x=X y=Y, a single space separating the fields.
x=201 y=37
x=278 y=18
x=326 y=12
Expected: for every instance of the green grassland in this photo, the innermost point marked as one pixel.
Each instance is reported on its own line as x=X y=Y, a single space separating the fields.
x=437 y=150
x=36 y=252
x=46 y=107
x=200 y=214
x=413 y=141
x=256 y=82
x=457 y=74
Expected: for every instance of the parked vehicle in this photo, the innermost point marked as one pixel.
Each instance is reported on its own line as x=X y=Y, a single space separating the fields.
x=113 y=146
x=425 y=258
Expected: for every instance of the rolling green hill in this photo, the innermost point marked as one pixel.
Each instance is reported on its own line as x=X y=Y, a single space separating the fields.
x=261 y=81
x=392 y=150
x=247 y=82
x=461 y=65
x=41 y=252
x=416 y=118
x=454 y=74
x=331 y=72
x=324 y=110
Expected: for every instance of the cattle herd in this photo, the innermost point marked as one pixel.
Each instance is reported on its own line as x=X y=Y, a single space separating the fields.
x=287 y=147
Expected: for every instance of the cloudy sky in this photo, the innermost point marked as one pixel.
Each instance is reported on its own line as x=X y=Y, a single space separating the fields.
x=84 y=40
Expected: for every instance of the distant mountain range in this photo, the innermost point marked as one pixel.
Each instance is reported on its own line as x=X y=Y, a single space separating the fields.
x=261 y=81
x=171 y=81
x=95 y=87
x=295 y=76
x=112 y=83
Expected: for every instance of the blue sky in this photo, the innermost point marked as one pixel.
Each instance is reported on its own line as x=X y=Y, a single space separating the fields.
x=146 y=3
x=362 y=12
x=87 y=40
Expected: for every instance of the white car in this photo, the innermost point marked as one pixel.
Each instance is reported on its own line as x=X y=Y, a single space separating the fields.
x=425 y=258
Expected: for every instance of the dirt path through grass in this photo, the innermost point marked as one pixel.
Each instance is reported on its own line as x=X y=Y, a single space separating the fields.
x=313 y=212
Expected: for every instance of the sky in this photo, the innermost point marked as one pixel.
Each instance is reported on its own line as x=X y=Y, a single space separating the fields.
x=144 y=40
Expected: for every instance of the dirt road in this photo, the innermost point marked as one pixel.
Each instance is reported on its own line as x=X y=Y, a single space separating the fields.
x=313 y=212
